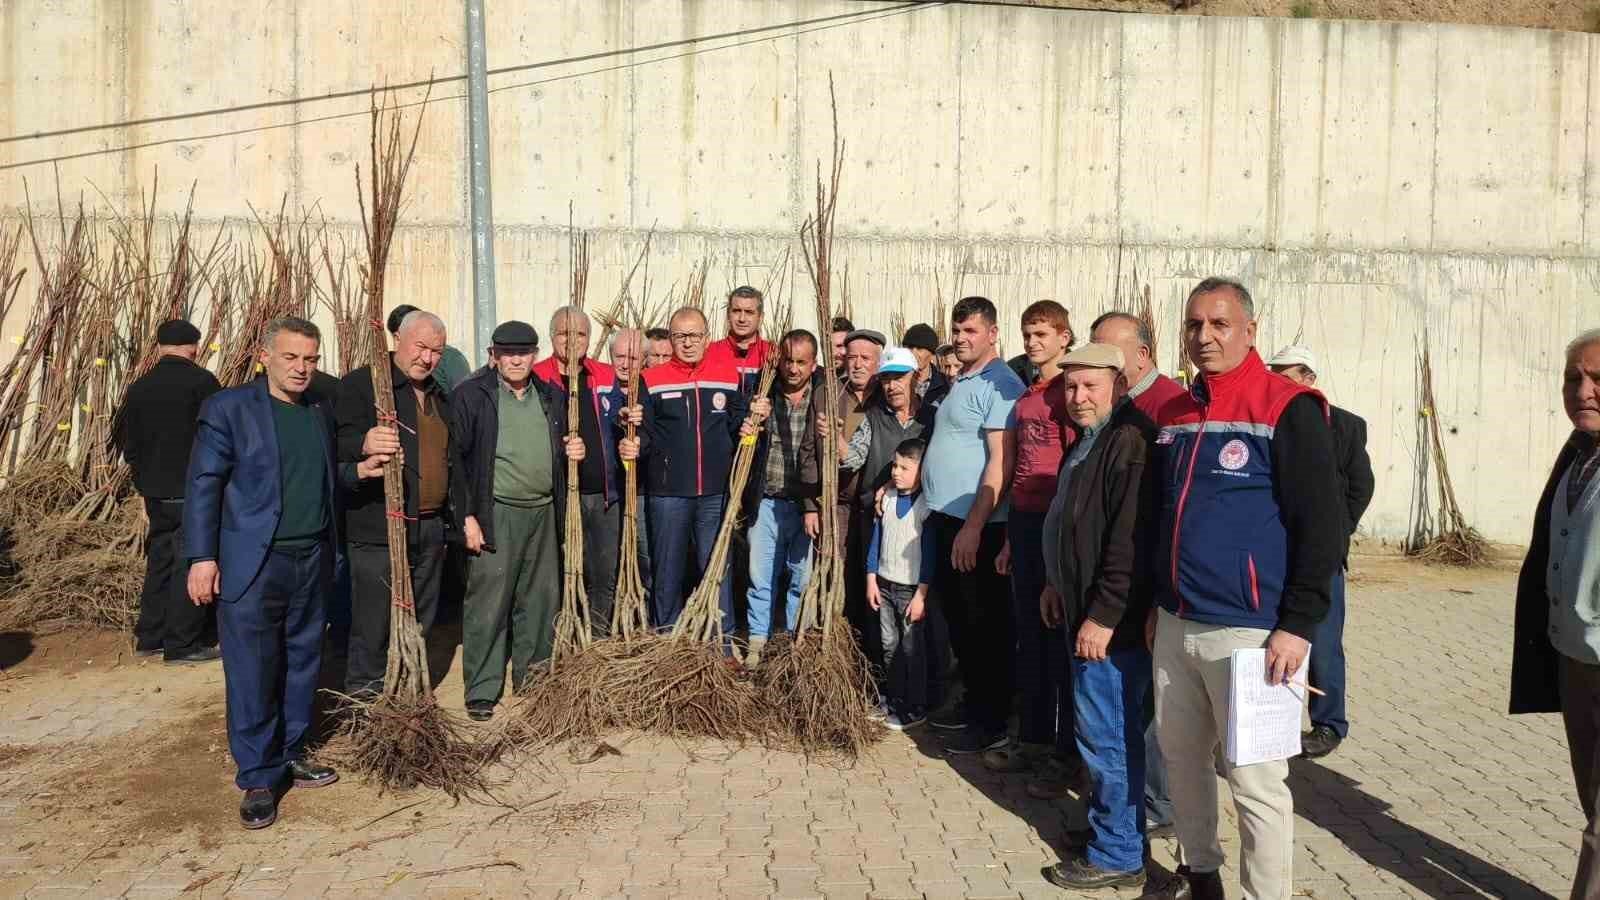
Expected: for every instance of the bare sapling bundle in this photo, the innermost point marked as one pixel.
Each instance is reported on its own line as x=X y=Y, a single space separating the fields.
x=573 y=630
x=347 y=305
x=401 y=739
x=816 y=685
x=630 y=614
x=1439 y=535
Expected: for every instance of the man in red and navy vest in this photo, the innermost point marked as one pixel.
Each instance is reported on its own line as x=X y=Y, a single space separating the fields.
x=693 y=417
x=1251 y=535
x=598 y=402
x=743 y=348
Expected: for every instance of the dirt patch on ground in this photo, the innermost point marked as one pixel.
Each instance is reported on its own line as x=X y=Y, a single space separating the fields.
x=11 y=754
x=65 y=652
x=1562 y=15
x=151 y=784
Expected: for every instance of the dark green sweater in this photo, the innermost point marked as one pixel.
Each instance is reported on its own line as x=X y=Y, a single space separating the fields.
x=302 y=465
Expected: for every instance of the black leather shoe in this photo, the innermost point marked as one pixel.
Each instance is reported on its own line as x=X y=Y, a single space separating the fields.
x=1319 y=742
x=258 y=809
x=1187 y=885
x=480 y=710
x=311 y=775
x=1078 y=874
x=202 y=655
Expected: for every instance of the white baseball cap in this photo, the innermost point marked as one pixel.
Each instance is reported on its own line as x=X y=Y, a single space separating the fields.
x=897 y=361
x=1294 y=355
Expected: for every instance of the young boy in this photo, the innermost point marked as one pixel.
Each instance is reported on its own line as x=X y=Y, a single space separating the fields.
x=900 y=563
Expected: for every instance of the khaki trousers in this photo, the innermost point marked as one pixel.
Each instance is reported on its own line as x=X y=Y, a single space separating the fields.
x=1191 y=684
x=1580 y=712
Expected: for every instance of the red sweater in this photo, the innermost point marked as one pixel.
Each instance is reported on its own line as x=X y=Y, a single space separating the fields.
x=1043 y=435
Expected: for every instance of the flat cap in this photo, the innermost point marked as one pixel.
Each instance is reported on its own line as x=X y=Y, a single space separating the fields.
x=1294 y=355
x=1095 y=356
x=922 y=337
x=514 y=335
x=177 y=333
x=867 y=334
x=398 y=315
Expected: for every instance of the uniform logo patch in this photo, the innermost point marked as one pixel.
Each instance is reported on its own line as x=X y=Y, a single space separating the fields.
x=719 y=401
x=1234 y=455
x=1165 y=437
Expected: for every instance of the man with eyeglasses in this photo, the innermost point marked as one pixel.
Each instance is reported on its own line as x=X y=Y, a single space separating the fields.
x=693 y=416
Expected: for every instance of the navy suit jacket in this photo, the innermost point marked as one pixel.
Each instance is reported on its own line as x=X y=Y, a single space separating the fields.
x=235 y=499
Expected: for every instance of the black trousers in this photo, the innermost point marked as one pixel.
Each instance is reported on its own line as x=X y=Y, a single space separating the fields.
x=977 y=611
x=602 y=535
x=168 y=620
x=370 y=601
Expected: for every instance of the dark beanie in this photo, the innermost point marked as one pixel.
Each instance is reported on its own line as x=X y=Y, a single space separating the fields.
x=922 y=337
x=177 y=333
x=398 y=315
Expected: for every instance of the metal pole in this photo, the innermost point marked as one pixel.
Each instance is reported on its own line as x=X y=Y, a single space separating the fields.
x=484 y=312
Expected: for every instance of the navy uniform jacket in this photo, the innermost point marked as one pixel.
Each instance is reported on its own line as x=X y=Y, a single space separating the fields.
x=234 y=498
x=692 y=416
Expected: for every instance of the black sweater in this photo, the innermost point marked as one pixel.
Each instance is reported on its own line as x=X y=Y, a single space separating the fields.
x=156 y=425
x=1313 y=512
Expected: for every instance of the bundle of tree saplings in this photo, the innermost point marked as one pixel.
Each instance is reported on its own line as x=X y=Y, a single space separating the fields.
x=400 y=739
x=816 y=685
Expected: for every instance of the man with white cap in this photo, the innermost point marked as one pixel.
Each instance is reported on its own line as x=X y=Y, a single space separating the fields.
x=1328 y=724
x=1098 y=540
x=893 y=414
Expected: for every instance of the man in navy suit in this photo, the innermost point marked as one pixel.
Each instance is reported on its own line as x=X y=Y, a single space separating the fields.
x=260 y=531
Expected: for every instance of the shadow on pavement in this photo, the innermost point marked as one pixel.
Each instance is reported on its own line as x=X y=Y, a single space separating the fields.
x=1429 y=864
x=15 y=646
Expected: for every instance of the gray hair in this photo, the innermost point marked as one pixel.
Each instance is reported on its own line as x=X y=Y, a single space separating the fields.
x=1140 y=327
x=620 y=333
x=1584 y=339
x=1240 y=293
x=291 y=324
x=421 y=317
x=567 y=311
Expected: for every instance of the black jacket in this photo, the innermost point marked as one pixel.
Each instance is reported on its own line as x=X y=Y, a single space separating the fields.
x=1108 y=531
x=1356 y=483
x=474 y=434
x=810 y=487
x=356 y=413
x=156 y=425
x=1535 y=664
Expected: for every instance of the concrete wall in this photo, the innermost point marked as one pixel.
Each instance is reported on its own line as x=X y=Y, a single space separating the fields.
x=1371 y=181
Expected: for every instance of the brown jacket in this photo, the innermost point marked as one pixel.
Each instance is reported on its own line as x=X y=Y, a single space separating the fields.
x=1107 y=537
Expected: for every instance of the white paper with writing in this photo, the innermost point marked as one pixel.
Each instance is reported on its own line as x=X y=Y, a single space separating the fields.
x=1263 y=719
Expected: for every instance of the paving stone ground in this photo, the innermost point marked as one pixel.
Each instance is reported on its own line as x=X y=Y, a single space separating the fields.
x=115 y=781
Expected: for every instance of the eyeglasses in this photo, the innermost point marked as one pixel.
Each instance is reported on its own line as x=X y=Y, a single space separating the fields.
x=688 y=337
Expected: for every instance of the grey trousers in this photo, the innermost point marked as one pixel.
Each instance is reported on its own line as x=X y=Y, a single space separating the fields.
x=1580 y=712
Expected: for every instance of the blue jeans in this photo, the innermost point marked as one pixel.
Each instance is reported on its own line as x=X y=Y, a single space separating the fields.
x=1327 y=663
x=1044 y=716
x=271 y=657
x=675 y=524
x=1109 y=702
x=778 y=545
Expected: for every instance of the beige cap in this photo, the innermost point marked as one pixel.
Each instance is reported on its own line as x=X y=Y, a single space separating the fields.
x=1294 y=355
x=1098 y=356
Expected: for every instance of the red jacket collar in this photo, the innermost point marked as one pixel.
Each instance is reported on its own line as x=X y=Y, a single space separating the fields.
x=1208 y=388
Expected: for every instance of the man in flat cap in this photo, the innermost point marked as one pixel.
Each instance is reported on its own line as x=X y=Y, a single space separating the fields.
x=508 y=438
x=1329 y=727
x=155 y=430
x=1098 y=538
